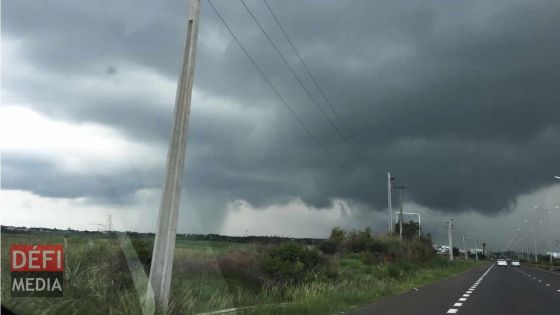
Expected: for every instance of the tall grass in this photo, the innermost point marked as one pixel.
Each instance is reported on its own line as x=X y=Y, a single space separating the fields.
x=207 y=277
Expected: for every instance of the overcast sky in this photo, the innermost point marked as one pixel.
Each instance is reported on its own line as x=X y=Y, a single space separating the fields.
x=458 y=99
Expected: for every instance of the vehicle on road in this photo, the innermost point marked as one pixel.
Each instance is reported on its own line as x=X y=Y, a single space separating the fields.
x=515 y=263
x=502 y=262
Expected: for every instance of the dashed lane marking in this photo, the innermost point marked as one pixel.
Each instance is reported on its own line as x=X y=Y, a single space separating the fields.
x=468 y=293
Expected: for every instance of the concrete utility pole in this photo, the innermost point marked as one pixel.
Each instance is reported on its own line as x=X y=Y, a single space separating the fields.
x=450 y=236
x=535 y=240
x=476 y=248
x=389 y=201
x=465 y=249
x=164 y=246
x=401 y=188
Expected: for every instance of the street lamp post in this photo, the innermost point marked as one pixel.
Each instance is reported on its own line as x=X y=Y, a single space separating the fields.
x=547 y=212
x=400 y=188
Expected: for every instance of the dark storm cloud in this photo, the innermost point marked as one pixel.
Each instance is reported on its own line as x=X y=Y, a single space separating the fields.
x=458 y=99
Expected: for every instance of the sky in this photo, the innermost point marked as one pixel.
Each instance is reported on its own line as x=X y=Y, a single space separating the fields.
x=457 y=99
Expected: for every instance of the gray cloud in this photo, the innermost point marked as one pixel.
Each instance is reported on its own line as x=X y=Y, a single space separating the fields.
x=458 y=100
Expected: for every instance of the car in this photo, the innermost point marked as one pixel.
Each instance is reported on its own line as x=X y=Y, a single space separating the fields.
x=515 y=263
x=502 y=262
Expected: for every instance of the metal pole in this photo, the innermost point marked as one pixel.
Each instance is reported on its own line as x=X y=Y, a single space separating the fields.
x=549 y=238
x=465 y=249
x=450 y=236
x=400 y=188
x=535 y=240
x=400 y=216
x=389 y=201
x=476 y=248
x=164 y=245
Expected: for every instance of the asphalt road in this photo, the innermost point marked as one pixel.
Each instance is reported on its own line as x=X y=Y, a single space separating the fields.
x=486 y=290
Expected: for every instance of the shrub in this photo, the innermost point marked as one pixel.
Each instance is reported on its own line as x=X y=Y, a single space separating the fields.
x=377 y=246
x=337 y=235
x=328 y=247
x=241 y=266
x=394 y=271
x=290 y=262
x=369 y=258
x=358 y=241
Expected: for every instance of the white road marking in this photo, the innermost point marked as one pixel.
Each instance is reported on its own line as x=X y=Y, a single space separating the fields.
x=469 y=292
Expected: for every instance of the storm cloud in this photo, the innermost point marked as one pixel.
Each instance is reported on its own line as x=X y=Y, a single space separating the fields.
x=459 y=100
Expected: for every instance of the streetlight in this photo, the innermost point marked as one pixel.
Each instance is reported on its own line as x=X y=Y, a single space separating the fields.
x=547 y=211
x=534 y=240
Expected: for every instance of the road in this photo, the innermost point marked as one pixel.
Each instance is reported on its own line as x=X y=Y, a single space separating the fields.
x=486 y=290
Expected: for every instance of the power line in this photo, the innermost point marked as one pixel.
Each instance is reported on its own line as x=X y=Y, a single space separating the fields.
x=299 y=81
x=312 y=77
x=290 y=109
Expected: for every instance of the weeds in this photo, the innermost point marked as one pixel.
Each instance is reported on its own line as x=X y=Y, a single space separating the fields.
x=282 y=279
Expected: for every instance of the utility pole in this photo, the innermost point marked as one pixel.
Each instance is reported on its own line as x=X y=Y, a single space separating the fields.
x=535 y=240
x=450 y=236
x=389 y=200
x=400 y=188
x=465 y=249
x=109 y=223
x=476 y=248
x=164 y=245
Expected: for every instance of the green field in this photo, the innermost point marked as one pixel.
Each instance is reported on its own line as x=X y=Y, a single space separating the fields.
x=107 y=275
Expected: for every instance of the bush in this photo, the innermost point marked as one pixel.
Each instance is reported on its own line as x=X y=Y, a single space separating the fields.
x=369 y=259
x=337 y=235
x=240 y=266
x=328 y=247
x=377 y=246
x=394 y=271
x=359 y=241
x=290 y=262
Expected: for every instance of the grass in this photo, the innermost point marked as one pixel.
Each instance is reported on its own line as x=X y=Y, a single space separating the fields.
x=213 y=275
x=360 y=288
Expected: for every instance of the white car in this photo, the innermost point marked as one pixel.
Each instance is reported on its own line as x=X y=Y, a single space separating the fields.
x=515 y=263
x=502 y=262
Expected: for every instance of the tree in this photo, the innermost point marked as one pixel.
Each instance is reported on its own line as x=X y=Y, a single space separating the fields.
x=337 y=234
x=410 y=230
